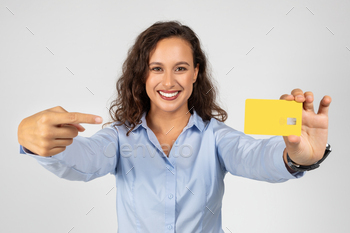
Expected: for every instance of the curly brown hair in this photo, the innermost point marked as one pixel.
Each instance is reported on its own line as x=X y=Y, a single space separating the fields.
x=132 y=100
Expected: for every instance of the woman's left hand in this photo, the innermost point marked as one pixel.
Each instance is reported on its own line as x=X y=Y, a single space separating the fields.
x=309 y=147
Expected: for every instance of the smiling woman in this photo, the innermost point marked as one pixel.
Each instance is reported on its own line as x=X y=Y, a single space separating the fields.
x=166 y=97
x=166 y=58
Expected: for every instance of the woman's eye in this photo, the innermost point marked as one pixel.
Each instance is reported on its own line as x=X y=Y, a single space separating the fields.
x=156 y=68
x=181 y=68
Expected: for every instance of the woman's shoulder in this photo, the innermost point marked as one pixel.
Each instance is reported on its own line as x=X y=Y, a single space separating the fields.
x=114 y=127
x=219 y=128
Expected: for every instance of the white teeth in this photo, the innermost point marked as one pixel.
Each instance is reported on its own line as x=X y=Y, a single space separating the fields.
x=168 y=94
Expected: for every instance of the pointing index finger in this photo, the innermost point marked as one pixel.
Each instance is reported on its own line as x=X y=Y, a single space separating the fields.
x=76 y=118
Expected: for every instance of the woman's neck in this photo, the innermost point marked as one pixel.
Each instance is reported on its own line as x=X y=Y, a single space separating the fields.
x=161 y=122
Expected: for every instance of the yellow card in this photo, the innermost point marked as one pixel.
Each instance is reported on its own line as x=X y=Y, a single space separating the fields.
x=272 y=117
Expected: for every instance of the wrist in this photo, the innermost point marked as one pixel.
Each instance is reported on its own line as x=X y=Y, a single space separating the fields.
x=299 y=167
x=286 y=162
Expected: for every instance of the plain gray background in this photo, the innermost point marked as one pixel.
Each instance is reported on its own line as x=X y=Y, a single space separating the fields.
x=69 y=53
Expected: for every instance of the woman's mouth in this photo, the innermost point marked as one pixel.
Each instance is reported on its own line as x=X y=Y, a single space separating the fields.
x=169 y=95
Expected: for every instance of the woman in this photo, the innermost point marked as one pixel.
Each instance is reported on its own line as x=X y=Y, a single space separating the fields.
x=167 y=145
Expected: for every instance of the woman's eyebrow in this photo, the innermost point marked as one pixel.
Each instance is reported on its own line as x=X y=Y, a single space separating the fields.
x=178 y=63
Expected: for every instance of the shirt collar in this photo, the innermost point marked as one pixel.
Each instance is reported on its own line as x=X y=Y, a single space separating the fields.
x=195 y=119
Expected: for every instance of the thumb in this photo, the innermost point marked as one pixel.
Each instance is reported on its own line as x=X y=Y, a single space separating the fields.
x=78 y=126
x=292 y=142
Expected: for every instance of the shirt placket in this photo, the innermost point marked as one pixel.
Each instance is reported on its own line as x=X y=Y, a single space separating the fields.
x=170 y=199
x=170 y=163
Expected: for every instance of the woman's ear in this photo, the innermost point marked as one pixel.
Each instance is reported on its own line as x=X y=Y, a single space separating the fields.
x=196 y=73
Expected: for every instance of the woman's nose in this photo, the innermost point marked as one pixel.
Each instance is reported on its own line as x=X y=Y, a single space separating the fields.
x=168 y=79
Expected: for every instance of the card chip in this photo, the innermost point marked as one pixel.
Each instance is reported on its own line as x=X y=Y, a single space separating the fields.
x=291 y=121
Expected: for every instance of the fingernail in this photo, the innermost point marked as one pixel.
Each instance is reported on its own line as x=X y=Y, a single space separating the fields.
x=299 y=96
x=98 y=119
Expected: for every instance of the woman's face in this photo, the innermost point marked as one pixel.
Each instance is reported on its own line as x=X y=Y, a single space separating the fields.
x=171 y=75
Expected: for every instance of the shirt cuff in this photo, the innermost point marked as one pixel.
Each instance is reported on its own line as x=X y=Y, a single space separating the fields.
x=45 y=160
x=281 y=166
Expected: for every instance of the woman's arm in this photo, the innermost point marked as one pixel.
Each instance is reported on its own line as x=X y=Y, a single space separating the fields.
x=86 y=158
x=258 y=159
x=51 y=137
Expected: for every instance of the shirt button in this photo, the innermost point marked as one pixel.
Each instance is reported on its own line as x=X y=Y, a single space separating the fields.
x=170 y=196
x=170 y=227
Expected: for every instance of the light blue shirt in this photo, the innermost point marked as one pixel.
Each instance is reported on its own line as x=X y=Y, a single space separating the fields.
x=179 y=193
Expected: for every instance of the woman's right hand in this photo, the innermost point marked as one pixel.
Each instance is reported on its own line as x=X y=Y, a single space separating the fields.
x=48 y=132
